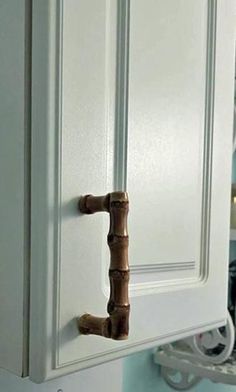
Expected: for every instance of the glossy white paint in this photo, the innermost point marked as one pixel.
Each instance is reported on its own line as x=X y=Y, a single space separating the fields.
x=166 y=131
x=170 y=146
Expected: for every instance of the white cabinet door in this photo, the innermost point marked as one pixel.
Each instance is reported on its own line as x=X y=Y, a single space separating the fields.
x=129 y=95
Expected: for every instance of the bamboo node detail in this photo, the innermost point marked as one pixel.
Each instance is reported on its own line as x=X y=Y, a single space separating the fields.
x=116 y=326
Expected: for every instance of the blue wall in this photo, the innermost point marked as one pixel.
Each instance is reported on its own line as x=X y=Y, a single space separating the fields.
x=233 y=243
x=142 y=375
x=234 y=168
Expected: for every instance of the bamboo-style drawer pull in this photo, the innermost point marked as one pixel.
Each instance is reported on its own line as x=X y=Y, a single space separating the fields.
x=116 y=326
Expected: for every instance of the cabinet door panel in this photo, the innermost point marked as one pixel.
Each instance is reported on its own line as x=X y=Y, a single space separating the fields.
x=167 y=129
x=128 y=96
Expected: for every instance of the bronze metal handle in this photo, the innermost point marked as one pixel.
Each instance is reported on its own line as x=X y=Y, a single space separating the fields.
x=116 y=326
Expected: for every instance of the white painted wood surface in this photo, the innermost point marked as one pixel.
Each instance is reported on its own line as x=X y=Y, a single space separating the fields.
x=103 y=378
x=14 y=186
x=170 y=146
